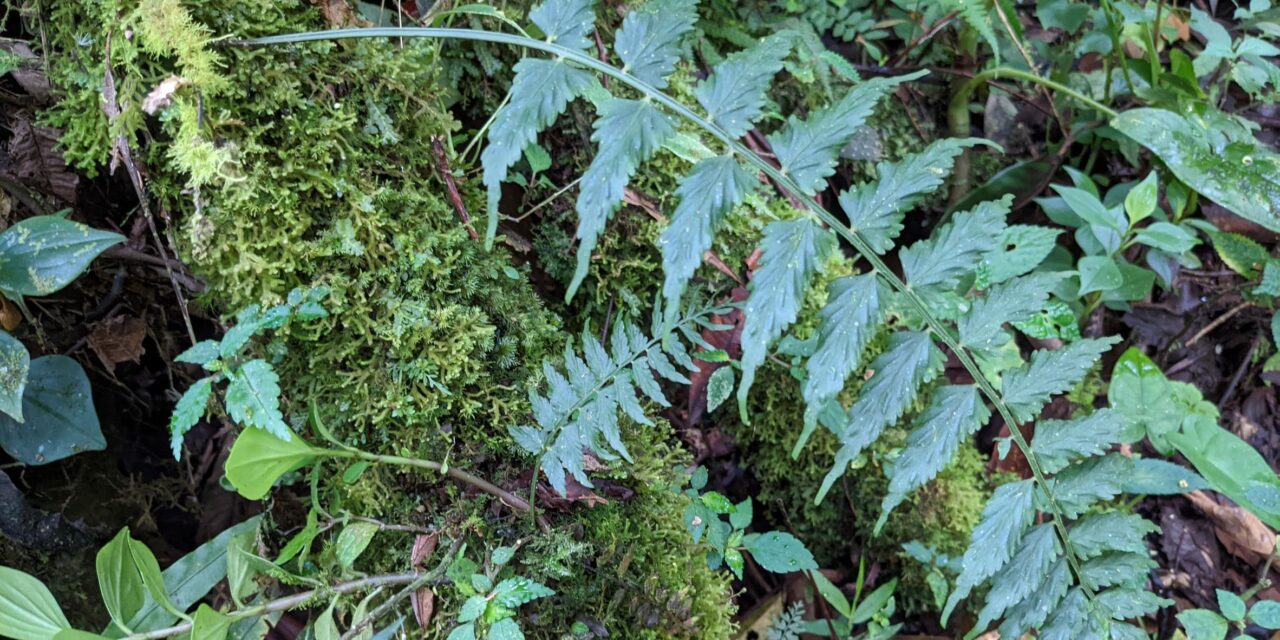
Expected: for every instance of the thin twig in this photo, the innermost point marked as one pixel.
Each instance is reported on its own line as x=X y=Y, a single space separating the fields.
x=1217 y=322
x=1239 y=375
x=451 y=186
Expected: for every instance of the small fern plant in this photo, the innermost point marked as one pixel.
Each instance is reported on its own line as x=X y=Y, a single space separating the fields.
x=1053 y=556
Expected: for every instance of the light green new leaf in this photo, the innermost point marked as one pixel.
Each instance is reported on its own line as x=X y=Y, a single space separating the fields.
x=540 y=92
x=253 y=398
x=1202 y=624
x=734 y=93
x=41 y=255
x=568 y=23
x=1142 y=199
x=627 y=133
x=956 y=248
x=910 y=360
x=954 y=413
x=807 y=149
x=27 y=609
x=352 y=542
x=258 y=459
x=149 y=569
x=875 y=209
x=779 y=552
x=997 y=534
x=60 y=420
x=790 y=253
x=719 y=388
x=119 y=582
x=1099 y=533
x=849 y=321
x=191 y=407
x=200 y=353
x=982 y=327
x=1090 y=208
x=1027 y=388
x=209 y=624
x=648 y=43
x=1058 y=442
x=1243 y=178
x=15 y=363
x=711 y=189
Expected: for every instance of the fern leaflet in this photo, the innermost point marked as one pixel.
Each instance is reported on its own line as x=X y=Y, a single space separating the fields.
x=648 y=42
x=1029 y=387
x=734 y=94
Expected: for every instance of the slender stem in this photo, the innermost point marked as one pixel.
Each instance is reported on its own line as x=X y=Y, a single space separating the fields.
x=846 y=232
x=1017 y=74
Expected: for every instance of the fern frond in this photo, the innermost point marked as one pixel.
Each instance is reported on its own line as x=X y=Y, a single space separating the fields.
x=568 y=23
x=875 y=209
x=1125 y=603
x=1117 y=569
x=648 y=43
x=910 y=360
x=713 y=187
x=997 y=534
x=1036 y=607
x=807 y=149
x=978 y=16
x=1058 y=442
x=1023 y=575
x=734 y=94
x=1028 y=388
x=956 y=248
x=790 y=253
x=1087 y=483
x=627 y=133
x=955 y=412
x=847 y=324
x=982 y=327
x=1072 y=620
x=579 y=411
x=1099 y=533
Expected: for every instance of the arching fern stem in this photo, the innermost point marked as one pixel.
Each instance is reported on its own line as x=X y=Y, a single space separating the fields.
x=781 y=179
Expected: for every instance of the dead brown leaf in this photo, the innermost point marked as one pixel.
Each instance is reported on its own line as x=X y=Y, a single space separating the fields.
x=162 y=95
x=118 y=339
x=423 y=546
x=10 y=316
x=1241 y=532
x=339 y=14
x=33 y=159
x=424 y=605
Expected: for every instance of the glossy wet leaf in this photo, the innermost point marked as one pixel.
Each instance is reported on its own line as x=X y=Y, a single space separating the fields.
x=60 y=420
x=41 y=255
x=15 y=362
x=258 y=459
x=779 y=552
x=27 y=609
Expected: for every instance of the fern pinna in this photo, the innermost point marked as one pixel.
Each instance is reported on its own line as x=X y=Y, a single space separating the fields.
x=1053 y=556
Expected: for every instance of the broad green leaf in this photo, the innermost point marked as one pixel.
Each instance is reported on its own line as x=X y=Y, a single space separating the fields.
x=76 y=634
x=41 y=255
x=734 y=93
x=27 y=609
x=1231 y=606
x=1023 y=575
x=1168 y=237
x=1099 y=533
x=779 y=552
x=209 y=624
x=1099 y=273
x=627 y=133
x=848 y=322
x=711 y=189
x=719 y=388
x=515 y=592
x=875 y=208
x=191 y=407
x=1241 y=177
x=1028 y=388
x=253 y=398
x=909 y=361
x=1266 y=614
x=568 y=23
x=1140 y=392
x=324 y=627
x=240 y=564
x=258 y=459
x=954 y=413
x=1020 y=249
x=149 y=569
x=1228 y=463
x=1135 y=284
x=60 y=420
x=1156 y=477
x=997 y=534
x=1142 y=199
x=1090 y=208
x=955 y=249
x=505 y=629
x=15 y=363
x=1058 y=442
x=790 y=253
x=982 y=327
x=540 y=92
x=119 y=582
x=648 y=43
x=808 y=149
x=1202 y=624
x=352 y=541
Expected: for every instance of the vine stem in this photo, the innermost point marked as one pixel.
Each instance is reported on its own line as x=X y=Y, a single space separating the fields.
x=784 y=181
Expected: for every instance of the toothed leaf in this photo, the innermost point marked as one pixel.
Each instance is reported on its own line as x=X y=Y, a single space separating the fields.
x=1025 y=572
x=648 y=43
x=1058 y=442
x=1027 y=388
x=711 y=189
x=734 y=94
x=1083 y=485
x=1112 y=569
x=568 y=23
x=875 y=209
x=1004 y=518
x=956 y=248
x=982 y=327
x=1126 y=603
x=850 y=319
x=1098 y=533
x=1036 y=607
